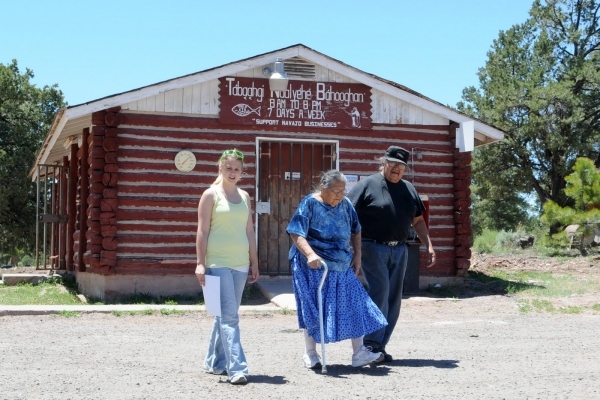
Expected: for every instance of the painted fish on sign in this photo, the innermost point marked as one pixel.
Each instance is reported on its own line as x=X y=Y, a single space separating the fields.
x=243 y=110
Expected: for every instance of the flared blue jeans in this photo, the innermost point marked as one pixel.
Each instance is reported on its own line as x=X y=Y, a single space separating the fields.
x=225 y=351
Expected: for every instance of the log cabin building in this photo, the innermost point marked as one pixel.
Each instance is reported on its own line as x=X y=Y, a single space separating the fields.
x=122 y=205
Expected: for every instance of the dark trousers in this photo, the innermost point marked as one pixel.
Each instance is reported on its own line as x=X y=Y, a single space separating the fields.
x=384 y=268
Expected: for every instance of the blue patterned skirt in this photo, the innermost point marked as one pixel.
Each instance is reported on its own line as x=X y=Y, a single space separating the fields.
x=348 y=311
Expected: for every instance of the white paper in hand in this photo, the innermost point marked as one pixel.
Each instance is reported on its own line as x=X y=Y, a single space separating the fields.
x=212 y=295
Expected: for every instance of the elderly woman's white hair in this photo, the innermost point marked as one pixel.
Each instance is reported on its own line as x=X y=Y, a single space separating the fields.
x=331 y=177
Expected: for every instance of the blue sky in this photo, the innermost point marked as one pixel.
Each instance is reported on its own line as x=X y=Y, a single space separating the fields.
x=93 y=49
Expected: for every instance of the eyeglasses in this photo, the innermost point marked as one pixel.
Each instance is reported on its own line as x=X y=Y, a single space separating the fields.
x=393 y=164
x=339 y=192
x=235 y=152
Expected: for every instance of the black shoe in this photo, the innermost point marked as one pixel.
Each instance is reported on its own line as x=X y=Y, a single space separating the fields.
x=387 y=357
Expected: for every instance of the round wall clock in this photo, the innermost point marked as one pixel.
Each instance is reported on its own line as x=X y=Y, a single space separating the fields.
x=185 y=161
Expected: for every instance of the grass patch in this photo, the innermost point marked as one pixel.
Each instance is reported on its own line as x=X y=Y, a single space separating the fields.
x=48 y=293
x=535 y=291
x=535 y=284
x=524 y=306
x=485 y=242
x=133 y=313
x=287 y=311
x=64 y=292
x=251 y=293
x=570 y=310
x=146 y=298
x=481 y=277
x=497 y=242
x=171 y=311
x=508 y=242
x=542 y=305
x=499 y=282
x=68 y=314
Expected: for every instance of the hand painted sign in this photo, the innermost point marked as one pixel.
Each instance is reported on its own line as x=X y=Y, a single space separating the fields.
x=304 y=104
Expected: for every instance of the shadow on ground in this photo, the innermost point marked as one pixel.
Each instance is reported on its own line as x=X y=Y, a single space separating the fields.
x=382 y=369
x=476 y=284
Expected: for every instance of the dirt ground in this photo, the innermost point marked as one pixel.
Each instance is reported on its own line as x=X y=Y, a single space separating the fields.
x=576 y=265
x=582 y=269
x=476 y=346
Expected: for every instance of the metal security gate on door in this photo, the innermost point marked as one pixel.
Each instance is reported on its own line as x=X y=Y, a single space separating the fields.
x=52 y=219
x=287 y=171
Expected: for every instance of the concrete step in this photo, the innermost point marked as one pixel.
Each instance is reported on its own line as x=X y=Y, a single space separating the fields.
x=279 y=291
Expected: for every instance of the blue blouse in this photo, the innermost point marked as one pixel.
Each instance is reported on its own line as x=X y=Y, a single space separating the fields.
x=327 y=230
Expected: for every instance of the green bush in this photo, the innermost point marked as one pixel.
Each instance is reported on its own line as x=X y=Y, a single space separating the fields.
x=509 y=240
x=498 y=241
x=4 y=259
x=27 y=260
x=486 y=242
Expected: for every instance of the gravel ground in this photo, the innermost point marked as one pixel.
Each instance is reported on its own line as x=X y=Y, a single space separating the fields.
x=473 y=348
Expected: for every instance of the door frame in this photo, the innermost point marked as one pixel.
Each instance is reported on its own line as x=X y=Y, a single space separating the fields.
x=262 y=139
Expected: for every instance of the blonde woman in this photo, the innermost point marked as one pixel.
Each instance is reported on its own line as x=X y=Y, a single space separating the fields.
x=226 y=247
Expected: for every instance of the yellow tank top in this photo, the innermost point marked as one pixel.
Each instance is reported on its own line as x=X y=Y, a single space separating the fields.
x=227 y=241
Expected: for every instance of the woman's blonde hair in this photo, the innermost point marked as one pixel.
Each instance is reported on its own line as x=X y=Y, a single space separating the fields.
x=228 y=154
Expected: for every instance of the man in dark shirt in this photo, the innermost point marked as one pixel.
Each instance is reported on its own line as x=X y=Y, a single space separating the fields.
x=387 y=206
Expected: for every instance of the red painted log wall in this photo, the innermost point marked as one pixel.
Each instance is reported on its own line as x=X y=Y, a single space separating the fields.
x=150 y=226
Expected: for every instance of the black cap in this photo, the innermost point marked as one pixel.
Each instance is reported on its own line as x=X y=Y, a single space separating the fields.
x=397 y=154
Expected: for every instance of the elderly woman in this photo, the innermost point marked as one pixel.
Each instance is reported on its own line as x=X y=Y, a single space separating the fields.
x=325 y=227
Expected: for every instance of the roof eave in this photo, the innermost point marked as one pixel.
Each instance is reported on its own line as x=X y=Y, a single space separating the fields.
x=398 y=91
x=60 y=120
x=191 y=79
x=385 y=86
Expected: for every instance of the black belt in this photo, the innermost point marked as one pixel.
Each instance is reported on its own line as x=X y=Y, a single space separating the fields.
x=394 y=243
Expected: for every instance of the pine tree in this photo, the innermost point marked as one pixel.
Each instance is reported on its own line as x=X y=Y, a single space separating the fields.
x=583 y=187
x=540 y=85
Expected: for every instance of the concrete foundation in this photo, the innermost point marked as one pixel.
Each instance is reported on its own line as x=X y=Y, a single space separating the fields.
x=110 y=288
x=444 y=281
x=280 y=292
